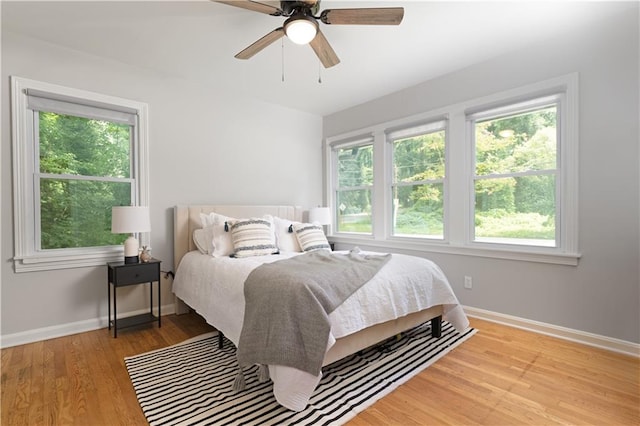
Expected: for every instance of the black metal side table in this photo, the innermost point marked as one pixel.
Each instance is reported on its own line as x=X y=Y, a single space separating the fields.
x=122 y=274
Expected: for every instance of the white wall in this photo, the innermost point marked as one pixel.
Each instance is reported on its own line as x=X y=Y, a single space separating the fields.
x=602 y=294
x=205 y=147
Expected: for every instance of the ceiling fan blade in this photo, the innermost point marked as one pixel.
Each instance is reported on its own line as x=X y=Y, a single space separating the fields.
x=323 y=50
x=257 y=46
x=253 y=5
x=365 y=16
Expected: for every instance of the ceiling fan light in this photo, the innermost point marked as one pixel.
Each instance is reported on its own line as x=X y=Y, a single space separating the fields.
x=301 y=30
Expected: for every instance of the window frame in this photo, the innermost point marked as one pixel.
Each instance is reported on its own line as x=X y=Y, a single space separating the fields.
x=530 y=105
x=363 y=140
x=459 y=174
x=433 y=125
x=27 y=253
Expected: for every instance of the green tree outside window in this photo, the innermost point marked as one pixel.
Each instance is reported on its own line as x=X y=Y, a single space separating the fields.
x=84 y=170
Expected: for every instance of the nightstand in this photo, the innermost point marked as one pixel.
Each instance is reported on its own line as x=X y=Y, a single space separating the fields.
x=122 y=274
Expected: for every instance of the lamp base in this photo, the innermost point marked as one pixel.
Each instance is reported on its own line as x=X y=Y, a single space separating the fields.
x=131 y=246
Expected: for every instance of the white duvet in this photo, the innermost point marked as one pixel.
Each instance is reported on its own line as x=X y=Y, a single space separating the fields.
x=214 y=287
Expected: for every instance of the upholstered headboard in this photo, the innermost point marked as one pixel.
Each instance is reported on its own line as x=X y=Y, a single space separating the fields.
x=186 y=219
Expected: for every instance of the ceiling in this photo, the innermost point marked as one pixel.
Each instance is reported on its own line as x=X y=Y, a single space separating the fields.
x=197 y=40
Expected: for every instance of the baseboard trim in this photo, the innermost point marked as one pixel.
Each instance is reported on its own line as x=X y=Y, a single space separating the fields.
x=68 y=329
x=590 y=339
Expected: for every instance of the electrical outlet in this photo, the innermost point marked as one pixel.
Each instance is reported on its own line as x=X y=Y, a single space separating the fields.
x=468 y=282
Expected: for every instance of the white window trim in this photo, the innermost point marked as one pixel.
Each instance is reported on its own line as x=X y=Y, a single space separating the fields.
x=458 y=174
x=536 y=102
x=434 y=124
x=360 y=140
x=26 y=257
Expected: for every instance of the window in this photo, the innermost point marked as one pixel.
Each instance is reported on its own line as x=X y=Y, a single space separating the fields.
x=76 y=155
x=515 y=174
x=354 y=187
x=494 y=177
x=417 y=182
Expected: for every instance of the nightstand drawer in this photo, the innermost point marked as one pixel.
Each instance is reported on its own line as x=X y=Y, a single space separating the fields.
x=141 y=272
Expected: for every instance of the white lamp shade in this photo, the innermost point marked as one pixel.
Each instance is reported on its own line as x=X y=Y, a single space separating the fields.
x=321 y=215
x=300 y=31
x=130 y=219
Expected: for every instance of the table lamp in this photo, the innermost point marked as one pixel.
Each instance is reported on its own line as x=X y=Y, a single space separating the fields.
x=321 y=215
x=130 y=220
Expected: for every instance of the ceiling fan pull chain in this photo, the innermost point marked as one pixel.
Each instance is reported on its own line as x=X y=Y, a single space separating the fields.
x=319 y=72
x=282 y=64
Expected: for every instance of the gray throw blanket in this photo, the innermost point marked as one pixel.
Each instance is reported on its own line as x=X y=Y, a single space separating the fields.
x=288 y=302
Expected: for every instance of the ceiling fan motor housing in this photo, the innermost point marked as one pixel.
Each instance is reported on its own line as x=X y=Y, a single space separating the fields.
x=308 y=8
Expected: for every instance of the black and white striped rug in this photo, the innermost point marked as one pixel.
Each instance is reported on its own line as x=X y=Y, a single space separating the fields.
x=190 y=383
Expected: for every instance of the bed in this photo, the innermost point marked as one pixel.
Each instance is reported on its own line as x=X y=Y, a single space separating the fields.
x=198 y=286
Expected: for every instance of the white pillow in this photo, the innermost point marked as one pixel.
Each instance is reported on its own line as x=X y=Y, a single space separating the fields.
x=285 y=240
x=252 y=237
x=311 y=237
x=203 y=239
x=213 y=218
x=222 y=242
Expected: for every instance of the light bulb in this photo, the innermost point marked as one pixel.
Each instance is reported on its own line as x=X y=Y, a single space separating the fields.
x=300 y=30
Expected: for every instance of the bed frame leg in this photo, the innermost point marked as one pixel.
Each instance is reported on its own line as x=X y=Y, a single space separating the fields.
x=220 y=339
x=436 y=326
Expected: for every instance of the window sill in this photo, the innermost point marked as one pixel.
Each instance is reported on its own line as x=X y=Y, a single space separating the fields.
x=422 y=247
x=66 y=259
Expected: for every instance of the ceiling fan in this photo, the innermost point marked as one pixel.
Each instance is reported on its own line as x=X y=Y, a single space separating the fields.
x=301 y=25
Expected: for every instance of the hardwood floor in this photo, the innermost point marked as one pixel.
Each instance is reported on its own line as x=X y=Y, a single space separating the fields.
x=507 y=376
x=501 y=376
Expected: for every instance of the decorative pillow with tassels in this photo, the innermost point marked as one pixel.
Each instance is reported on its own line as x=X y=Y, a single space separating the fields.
x=311 y=237
x=252 y=237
